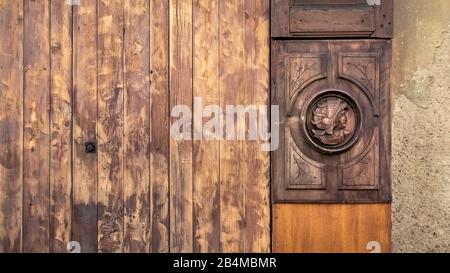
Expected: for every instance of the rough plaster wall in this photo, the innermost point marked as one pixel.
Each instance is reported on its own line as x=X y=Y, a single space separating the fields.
x=421 y=126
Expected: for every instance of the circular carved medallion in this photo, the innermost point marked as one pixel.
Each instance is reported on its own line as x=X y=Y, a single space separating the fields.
x=332 y=121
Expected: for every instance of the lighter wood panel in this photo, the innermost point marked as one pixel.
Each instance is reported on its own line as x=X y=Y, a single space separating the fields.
x=206 y=197
x=159 y=145
x=137 y=127
x=233 y=153
x=36 y=126
x=61 y=126
x=257 y=169
x=84 y=210
x=110 y=125
x=181 y=235
x=11 y=121
x=331 y=228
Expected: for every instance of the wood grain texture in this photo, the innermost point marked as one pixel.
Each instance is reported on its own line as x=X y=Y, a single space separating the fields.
x=36 y=126
x=257 y=172
x=11 y=121
x=84 y=222
x=110 y=125
x=232 y=152
x=331 y=228
x=206 y=198
x=61 y=126
x=244 y=80
x=137 y=127
x=159 y=145
x=110 y=72
x=181 y=237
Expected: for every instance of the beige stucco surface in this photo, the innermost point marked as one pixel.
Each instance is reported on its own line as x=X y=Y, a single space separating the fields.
x=421 y=126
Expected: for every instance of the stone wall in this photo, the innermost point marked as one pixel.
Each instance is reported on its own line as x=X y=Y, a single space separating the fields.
x=421 y=126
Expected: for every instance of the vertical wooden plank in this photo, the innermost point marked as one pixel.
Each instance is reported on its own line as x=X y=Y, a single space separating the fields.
x=36 y=126
x=61 y=126
x=137 y=127
x=206 y=198
x=256 y=179
x=84 y=222
x=233 y=155
x=180 y=150
x=110 y=127
x=159 y=145
x=11 y=130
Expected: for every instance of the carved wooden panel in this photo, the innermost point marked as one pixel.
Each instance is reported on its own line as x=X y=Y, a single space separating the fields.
x=332 y=18
x=335 y=121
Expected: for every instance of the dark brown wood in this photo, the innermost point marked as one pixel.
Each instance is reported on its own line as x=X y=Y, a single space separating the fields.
x=335 y=129
x=328 y=2
x=36 y=156
x=384 y=20
x=331 y=18
x=353 y=21
x=11 y=125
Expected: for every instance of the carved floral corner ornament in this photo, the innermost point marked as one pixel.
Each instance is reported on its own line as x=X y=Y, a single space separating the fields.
x=332 y=122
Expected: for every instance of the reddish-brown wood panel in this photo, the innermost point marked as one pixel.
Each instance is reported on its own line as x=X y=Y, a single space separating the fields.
x=307 y=228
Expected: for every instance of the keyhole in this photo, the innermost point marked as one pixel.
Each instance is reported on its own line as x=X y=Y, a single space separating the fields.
x=90 y=147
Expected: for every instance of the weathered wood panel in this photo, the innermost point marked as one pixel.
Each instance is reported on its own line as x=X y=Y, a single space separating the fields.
x=11 y=121
x=244 y=167
x=206 y=196
x=61 y=126
x=180 y=44
x=159 y=144
x=331 y=228
x=232 y=89
x=84 y=210
x=110 y=72
x=257 y=173
x=110 y=125
x=36 y=127
x=137 y=127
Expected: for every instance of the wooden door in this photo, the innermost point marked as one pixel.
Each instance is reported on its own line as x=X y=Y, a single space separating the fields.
x=334 y=102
